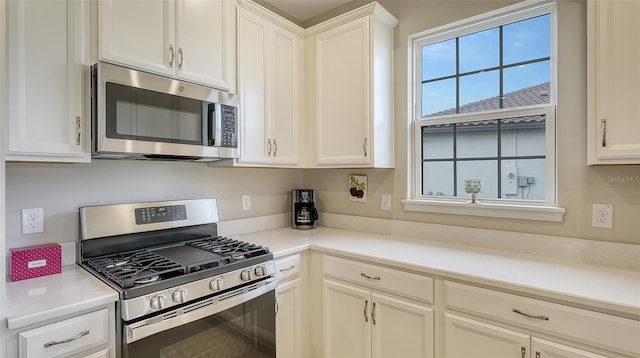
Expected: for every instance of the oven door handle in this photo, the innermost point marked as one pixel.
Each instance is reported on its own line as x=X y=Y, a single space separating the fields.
x=196 y=311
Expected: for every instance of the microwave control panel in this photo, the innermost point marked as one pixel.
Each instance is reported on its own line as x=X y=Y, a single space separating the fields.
x=228 y=126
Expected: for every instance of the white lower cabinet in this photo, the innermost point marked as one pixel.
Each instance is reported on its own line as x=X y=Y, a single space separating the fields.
x=362 y=320
x=85 y=335
x=471 y=338
x=480 y=322
x=290 y=307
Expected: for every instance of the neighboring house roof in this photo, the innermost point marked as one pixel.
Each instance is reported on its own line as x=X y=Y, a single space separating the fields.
x=533 y=95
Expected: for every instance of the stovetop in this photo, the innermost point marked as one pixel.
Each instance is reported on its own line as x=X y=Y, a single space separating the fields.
x=137 y=268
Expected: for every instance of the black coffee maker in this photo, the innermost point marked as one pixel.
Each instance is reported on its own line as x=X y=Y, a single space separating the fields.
x=304 y=212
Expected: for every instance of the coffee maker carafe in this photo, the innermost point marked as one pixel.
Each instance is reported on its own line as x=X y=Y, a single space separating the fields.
x=304 y=212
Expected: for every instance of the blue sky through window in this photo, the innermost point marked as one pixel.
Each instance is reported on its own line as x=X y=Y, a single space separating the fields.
x=523 y=41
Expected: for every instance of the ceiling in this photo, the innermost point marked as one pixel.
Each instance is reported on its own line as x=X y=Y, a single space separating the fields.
x=302 y=10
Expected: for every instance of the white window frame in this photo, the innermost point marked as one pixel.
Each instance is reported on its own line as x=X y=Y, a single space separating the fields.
x=546 y=210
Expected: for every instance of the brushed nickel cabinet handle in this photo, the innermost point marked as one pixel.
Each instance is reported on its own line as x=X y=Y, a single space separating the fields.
x=275 y=145
x=523 y=350
x=604 y=132
x=181 y=58
x=269 y=144
x=78 y=130
x=544 y=318
x=377 y=278
x=173 y=55
x=373 y=313
x=288 y=268
x=537 y=354
x=364 y=311
x=68 y=340
x=364 y=146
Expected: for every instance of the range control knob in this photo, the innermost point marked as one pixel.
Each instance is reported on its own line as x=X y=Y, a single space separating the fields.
x=245 y=275
x=260 y=270
x=157 y=302
x=179 y=296
x=215 y=284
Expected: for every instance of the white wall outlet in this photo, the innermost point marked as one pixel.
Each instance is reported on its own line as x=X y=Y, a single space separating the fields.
x=246 y=202
x=385 y=202
x=32 y=221
x=602 y=216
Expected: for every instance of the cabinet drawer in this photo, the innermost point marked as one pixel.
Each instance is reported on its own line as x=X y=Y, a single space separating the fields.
x=288 y=267
x=382 y=278
x=65 y=337
x=560 y=320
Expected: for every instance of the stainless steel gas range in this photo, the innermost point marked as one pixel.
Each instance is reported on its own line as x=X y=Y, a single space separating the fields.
x=184 y=290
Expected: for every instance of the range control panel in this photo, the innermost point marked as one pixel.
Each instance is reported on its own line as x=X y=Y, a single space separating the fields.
x=158 y=214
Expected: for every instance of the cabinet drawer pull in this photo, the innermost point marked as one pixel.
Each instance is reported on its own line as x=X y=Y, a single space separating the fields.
x=68 y=340
x=537 y=354
x=288 y=268
x=364 y=146
x=364 y=311
x=269 y=145
x=604 y=132
x=544 y=318
x=275 y=145
x=370 y=277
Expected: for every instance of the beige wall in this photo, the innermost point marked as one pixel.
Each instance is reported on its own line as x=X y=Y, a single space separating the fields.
x=62 y=188
x=579 y=186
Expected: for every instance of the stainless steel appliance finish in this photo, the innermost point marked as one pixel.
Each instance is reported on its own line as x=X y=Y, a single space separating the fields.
x=303 y=209
x=178 y=279
x=138 y=115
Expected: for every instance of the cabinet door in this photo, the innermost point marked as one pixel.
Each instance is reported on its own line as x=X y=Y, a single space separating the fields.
x=541 y=348
x=346 y=325
x=138 y=33
x=289 y=319
x=400 y=328
x=285 y=94
x=47 y=46
x=614 y=82
x=204 y=35
x=342 y=94
x=470 y=338
x=253 y=49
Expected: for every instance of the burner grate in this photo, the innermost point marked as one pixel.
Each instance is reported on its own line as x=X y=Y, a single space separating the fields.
x=233 y=249
x=136 y=267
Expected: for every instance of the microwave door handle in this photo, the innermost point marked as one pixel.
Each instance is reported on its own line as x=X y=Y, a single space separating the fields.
x=211 y=122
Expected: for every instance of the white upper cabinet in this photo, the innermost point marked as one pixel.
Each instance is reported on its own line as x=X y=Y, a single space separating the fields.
x=47 y=47
x=270 y=61
x=191 y=40
x=614 y=82
x=353 y=89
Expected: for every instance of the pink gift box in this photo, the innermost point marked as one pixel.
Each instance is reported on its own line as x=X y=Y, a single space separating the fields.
x=35 y=261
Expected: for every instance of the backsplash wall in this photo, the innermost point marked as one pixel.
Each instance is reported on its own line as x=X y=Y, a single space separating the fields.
x=62 y=188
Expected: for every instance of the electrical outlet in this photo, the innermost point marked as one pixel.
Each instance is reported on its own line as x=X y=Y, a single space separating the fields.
x=385 y=202
x=602 y=216
x=32 y=221
x=246 y=202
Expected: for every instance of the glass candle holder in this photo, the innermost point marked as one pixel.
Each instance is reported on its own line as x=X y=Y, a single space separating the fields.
x=473 y=187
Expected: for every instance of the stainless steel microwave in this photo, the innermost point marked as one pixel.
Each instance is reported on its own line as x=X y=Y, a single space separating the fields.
x=138 y=115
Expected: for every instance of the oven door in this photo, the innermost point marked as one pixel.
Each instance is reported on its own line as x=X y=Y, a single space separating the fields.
x=238 y=323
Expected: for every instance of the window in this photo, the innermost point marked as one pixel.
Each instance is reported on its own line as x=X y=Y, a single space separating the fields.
x=484 y=99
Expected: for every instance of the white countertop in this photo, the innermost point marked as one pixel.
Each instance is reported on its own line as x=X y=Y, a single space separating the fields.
x=607 y=289
x=50 y=297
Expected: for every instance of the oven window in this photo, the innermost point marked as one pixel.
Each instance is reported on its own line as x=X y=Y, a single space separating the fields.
x=139 y=114
x=246 y=330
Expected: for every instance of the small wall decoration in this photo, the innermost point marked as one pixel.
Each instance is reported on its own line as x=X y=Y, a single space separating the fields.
x=358 y=188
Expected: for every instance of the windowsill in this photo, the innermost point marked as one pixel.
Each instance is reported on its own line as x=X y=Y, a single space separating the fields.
x=492 y=210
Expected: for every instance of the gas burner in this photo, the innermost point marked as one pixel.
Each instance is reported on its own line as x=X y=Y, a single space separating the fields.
x=148 y=279
x=234 y=250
